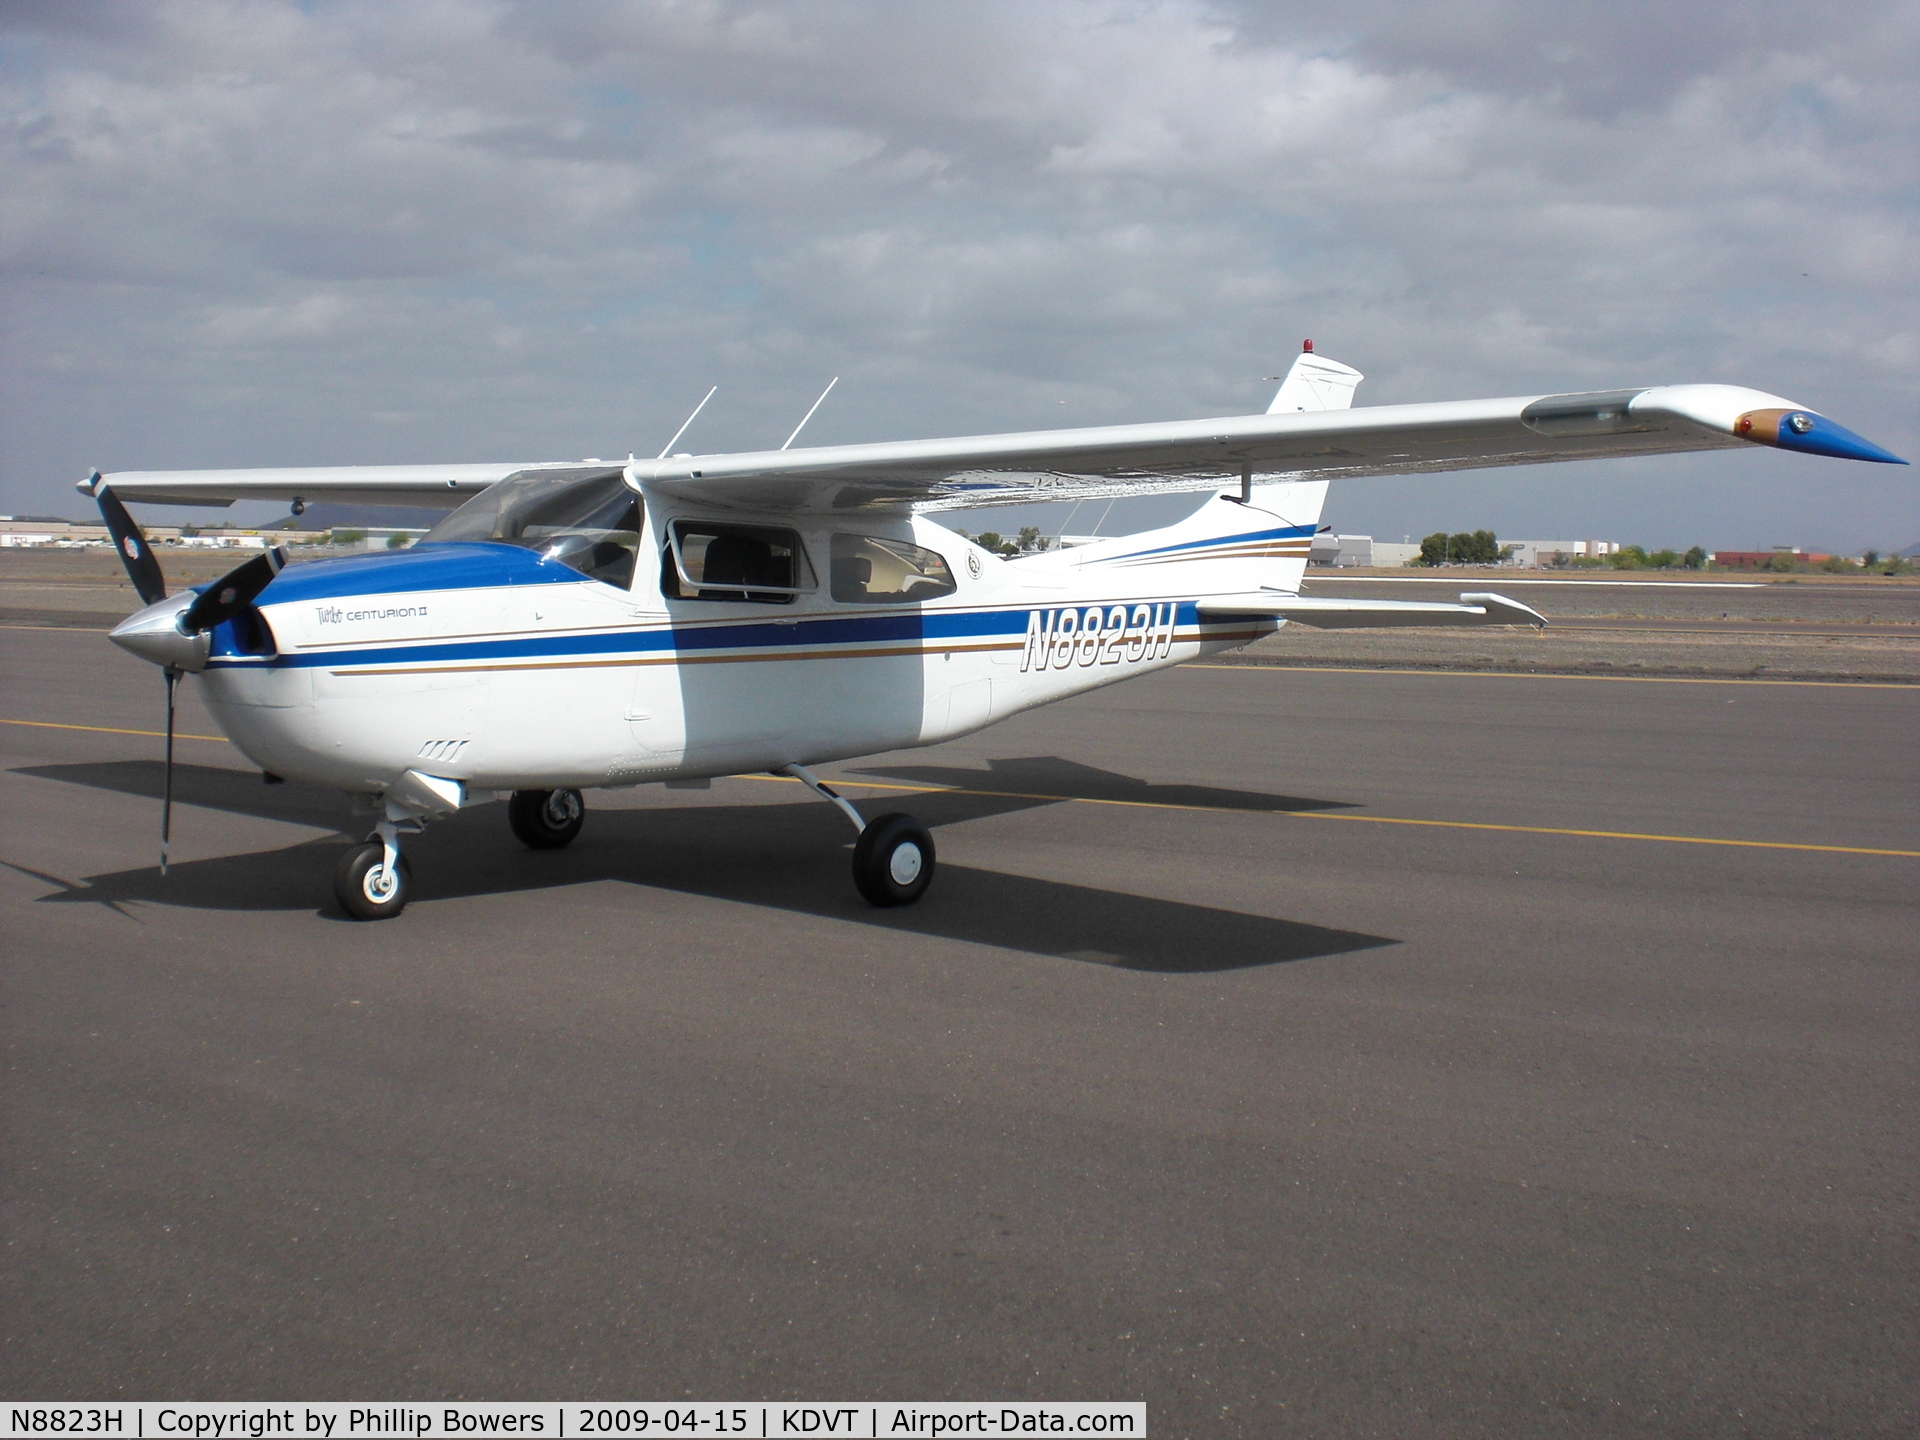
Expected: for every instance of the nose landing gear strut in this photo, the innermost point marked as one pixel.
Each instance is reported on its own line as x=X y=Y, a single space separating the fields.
x=372 y=880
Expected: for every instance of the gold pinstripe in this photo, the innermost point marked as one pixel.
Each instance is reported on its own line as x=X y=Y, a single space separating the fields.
x=877 y=652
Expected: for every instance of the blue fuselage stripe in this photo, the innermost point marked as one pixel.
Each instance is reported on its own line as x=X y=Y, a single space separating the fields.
x=905 y=630
x=1287 y=532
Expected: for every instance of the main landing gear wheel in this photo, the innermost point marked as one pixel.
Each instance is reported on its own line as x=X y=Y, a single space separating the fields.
x=546 y=819
x=893 y=860
x=366 y=888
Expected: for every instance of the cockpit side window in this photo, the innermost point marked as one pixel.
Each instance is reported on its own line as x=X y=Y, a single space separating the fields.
x=759 y=563
x=870 y=571
x=591 y=523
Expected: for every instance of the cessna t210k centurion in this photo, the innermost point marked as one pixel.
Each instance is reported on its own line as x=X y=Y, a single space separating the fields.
x=590 y=624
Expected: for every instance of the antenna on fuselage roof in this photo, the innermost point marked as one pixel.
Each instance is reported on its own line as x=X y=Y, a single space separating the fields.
x=809 y=415
x=683 y=428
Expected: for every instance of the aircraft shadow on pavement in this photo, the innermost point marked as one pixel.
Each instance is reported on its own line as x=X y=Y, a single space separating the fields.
x=239 y=792
x=785 y=856
x=1049 y=777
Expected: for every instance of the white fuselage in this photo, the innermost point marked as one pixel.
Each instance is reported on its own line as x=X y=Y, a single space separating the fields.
x=512 y=676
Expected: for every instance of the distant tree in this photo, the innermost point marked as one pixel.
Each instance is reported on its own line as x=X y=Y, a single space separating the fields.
x=990 y=540
x=1663 y=559
x=1870 y=559
x=188 y=532
x=1836 y=564
x=396 y=541
x=349 y=537
x=1029 y=539
x=1628 y=557
x=1482 y=547
x=1694 y=559
x=1781 y=563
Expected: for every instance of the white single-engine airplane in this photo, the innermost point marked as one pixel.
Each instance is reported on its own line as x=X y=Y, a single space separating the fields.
x=586 y=624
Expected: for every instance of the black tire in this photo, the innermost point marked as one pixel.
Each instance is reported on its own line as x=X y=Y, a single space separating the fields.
x=892 y=847
x=546 y=819
x=360 y=883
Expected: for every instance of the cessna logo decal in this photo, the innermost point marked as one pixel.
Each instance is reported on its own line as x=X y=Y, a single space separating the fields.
x=1097 y=635
x=332 y=614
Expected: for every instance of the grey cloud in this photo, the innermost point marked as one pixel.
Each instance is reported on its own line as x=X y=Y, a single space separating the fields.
x=259 y=233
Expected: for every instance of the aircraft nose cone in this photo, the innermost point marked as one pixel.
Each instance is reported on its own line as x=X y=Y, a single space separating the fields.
x=154 y=634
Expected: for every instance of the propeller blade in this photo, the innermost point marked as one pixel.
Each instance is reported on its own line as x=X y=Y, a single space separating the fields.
x=233 y=592
x=142 y=568
x=166 y=788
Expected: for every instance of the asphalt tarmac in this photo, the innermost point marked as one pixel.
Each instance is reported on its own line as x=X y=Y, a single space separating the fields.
x=1304 y=1053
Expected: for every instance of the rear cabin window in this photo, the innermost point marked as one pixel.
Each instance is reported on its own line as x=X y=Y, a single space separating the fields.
x=870 y=571
x=733 y=562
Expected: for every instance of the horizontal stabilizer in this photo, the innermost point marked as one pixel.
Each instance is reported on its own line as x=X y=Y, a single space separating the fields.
x=1333 y=613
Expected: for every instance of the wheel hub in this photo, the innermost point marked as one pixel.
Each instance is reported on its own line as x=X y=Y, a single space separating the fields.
x=904 y=864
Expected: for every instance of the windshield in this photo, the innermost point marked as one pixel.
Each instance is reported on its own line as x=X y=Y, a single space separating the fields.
x=591 y=523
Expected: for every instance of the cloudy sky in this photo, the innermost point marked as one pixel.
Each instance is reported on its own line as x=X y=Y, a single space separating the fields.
x=243 y=232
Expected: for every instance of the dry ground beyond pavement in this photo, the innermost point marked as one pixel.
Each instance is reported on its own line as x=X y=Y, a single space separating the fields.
x=1817 y=626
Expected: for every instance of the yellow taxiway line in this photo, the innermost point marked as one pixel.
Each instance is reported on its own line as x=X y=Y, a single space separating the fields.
x=1359 y=819
x=1172 y=805
x=115 y=730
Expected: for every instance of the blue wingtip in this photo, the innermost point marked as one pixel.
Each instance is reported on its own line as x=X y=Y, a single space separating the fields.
x=1823 y=437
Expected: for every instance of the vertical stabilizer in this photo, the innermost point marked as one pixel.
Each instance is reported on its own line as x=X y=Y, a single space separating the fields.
x=1224 y=547
x=1297 y=505
x=1315 y=383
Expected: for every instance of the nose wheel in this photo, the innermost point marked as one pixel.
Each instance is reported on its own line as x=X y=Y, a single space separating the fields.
x=546 y=819
x=371 y=886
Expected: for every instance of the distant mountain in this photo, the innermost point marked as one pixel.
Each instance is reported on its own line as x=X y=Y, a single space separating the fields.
x=359 y=517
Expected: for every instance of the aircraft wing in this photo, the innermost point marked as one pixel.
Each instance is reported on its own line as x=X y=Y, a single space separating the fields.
x=1111 y=460
x=427 y=486
x=1200 y=454
x=1334 y=613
